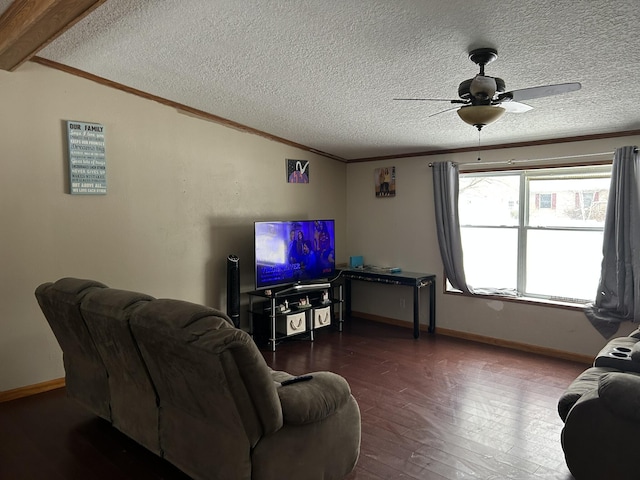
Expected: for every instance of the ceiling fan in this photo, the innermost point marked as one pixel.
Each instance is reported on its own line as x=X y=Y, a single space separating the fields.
x=484 y=99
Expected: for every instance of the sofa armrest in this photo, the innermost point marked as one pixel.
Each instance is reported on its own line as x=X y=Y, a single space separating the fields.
x=620 y=392
x=583 y=383
x=313 y=400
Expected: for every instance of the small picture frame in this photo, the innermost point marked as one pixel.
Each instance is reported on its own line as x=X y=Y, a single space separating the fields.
x=297 y=171
x=384 y=180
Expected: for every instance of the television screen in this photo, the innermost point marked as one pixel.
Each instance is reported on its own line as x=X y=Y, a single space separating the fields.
x=294 y=251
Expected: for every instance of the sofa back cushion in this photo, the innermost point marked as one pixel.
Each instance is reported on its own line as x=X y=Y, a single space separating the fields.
x=217 y=397
x=85 y=374
x=134 y=402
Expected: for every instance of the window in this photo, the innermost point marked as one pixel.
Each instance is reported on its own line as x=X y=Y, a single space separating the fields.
x=537 y=233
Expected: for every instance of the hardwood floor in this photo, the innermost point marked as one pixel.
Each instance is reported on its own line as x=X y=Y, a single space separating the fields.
x=433 y=408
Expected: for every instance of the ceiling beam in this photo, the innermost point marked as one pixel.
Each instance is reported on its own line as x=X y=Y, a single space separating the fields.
x=27 y=26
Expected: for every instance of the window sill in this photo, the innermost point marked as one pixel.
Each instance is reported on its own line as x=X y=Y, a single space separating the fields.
x=543 y=302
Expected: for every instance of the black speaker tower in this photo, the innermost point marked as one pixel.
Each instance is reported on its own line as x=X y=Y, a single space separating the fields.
x=233 y=289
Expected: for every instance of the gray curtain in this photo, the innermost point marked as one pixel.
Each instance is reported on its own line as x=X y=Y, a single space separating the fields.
x=618 y=296
x=445 y=196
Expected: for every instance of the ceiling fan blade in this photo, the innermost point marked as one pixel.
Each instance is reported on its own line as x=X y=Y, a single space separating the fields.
x=432 y=100
x=515 y=107
x=443 y=111
x=539 y=92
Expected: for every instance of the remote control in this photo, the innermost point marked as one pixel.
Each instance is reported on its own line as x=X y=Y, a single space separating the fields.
x=302 y=378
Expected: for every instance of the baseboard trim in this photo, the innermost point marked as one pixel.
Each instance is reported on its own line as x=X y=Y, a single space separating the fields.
x=29 y=390
x=524 y=347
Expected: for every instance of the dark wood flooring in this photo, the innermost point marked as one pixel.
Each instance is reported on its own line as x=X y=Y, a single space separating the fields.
x=432 y=408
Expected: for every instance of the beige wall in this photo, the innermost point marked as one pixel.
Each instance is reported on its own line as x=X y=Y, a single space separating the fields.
x=399 y=231
x=183 y=193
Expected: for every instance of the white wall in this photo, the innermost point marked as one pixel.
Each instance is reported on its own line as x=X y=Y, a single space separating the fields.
x=183 y=193
x=399 y=231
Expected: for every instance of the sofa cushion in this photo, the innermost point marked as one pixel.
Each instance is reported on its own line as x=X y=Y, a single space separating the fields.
x=585 y=382
x=134 y=401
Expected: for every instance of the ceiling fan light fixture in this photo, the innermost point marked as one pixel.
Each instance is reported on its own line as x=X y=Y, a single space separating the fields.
x=480 y=115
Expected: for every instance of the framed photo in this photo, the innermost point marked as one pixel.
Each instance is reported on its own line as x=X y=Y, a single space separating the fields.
x=384 y=180
x=297 y=171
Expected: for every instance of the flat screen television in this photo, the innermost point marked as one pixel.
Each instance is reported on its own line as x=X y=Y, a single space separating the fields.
x=294 y=252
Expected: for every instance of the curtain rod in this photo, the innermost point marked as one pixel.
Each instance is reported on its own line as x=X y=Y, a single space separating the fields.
x=513 y=161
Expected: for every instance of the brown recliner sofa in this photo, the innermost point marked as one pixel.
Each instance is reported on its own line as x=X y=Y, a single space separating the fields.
x=185 y=383
x=86 y=377
x=601 y=414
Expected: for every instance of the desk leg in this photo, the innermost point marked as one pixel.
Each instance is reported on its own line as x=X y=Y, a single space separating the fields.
x=347 y=296
x=251 y=315
x=272 y=317
x=432 y=307
x=416 y=312
x=340 y=317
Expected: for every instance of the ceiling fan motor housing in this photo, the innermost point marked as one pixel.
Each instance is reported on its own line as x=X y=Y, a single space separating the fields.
x=484 y=91
x=464 y=89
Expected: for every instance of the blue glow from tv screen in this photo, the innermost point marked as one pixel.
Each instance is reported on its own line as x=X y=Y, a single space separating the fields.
x=294 y=251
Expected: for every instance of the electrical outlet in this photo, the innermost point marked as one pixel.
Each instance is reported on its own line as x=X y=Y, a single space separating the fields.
x=403 y=303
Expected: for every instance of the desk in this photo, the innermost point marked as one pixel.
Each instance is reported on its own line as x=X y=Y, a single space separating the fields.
x=409 y=279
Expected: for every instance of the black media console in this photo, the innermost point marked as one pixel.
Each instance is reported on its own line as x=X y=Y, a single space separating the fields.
x=298 y=310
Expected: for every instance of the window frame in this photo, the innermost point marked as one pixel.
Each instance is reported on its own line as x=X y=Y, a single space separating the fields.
x=603 y=168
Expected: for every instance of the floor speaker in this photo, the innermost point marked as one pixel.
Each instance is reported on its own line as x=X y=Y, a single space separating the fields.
x=233 y=289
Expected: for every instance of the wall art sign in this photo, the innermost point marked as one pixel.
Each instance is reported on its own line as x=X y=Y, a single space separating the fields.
x=87 y=161
x=297 y=171
x=384 y=180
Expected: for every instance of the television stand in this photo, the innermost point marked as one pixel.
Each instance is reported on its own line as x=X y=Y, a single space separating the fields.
x=302 y=287
x=297 y=311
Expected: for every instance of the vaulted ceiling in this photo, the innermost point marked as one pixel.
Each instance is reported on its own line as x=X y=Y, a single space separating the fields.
x=323 y=75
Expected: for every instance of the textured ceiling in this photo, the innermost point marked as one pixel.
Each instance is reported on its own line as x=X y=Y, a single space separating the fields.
x=324 y=73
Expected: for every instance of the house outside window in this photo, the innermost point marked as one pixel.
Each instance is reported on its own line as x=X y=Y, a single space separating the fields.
x=535 y=233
